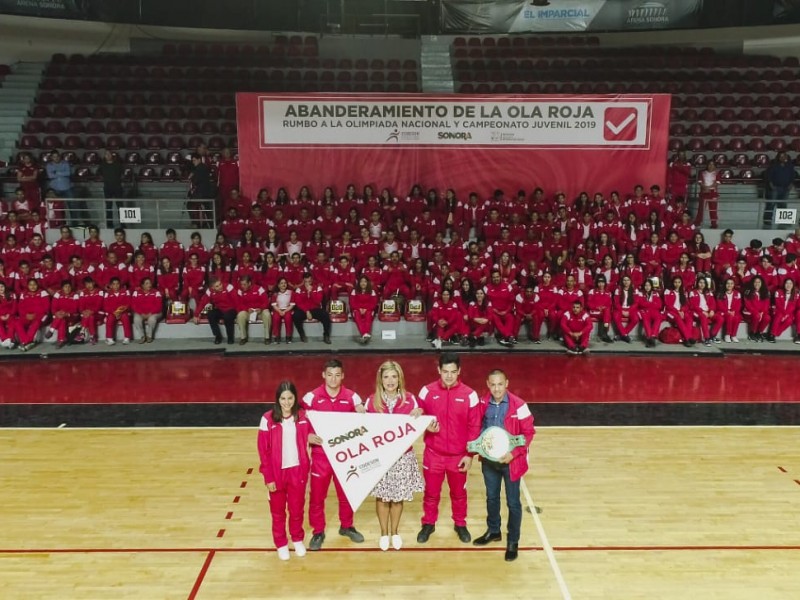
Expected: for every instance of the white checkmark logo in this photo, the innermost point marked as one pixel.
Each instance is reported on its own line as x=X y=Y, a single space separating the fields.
x=615 y=129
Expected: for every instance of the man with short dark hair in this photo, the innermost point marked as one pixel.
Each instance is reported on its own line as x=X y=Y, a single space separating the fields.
x=331 y=396
x=457 y=420
x=309 y=298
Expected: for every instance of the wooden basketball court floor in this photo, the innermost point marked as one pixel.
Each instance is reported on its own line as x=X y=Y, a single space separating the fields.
x=623 y=513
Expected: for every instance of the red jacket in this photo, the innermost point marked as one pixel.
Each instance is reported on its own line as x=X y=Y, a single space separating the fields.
x=68 y=304
x=753 y=304
x=174 y=251
x=270 y=448
x=501 y=296
x=147 y=303
x=37 y=303
x=222 y=301
x=572 y=323
x=458 y=411
x=597 y=300
x=8 y=305
x=652 y=304
x=319 y=399
x=696 y=299
x=92 y=302
x=254 y=298
x=784 y=305
x=366 y=301
x=730 y=302
x=518 y=421
x=307 y=300
x=112 y=301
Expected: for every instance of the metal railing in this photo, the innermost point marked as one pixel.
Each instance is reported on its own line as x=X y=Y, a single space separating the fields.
x=744 y=206
x=138 y=213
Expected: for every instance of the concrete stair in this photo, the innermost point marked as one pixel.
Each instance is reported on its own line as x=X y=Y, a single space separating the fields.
x=17 y=95
x=436 y=66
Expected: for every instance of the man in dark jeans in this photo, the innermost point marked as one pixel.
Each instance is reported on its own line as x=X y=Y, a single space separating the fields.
x=509 y=412
x=110 y=170
x=308 y=305
x=201 y=193
x=778 y=178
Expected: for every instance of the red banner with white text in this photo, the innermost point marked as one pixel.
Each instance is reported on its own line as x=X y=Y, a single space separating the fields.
x=469 y=143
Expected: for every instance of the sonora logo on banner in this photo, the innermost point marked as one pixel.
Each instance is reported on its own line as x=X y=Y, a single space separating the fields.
x=648 y=13
x=340 y=439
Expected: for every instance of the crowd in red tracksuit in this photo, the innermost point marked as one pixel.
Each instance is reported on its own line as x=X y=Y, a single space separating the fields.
x=531 y=241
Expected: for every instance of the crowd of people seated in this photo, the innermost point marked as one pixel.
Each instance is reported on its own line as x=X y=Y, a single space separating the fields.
x=475 y=268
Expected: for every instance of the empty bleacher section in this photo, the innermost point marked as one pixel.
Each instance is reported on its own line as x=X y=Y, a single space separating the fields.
x=739 y=110
x=152 y=109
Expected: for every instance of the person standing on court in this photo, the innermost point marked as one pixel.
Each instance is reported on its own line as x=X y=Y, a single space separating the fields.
x=457 y=420
x=504 y=409
x=331 y=396
x=403 y=479
x=283 y=449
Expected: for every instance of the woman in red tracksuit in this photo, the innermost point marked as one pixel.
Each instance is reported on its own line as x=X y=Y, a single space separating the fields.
x=363 y=303
x=479 y=319
x=625 y=314
x=448 y=319
x=784 y=310
x=283 y=450
x=729 y=305
x=648 y=304
x=704 y=308
x=8 y=315
x=33 y=308
x=599 y=305
x=757 y=309
x=678 y=312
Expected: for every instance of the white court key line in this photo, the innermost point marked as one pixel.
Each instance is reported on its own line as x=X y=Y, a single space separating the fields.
x=548 y=549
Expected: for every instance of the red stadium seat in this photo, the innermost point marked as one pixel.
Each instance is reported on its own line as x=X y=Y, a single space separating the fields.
x=73 y=142
x=94 y=142
x=176 y=142
x=740 y=160
x=91 y=158
x=734 y=129
x=720 y=160
x=698 y=160
x=756 y=144
x=135 y=142
x=715 y=129
x=761 y=160
x=114 y=142
x=155 y=141
x=736 y=144
x=777 y=145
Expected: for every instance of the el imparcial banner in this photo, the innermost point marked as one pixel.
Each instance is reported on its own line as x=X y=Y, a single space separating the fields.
x=516 y=16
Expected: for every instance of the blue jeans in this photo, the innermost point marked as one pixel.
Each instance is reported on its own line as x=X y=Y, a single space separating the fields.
x=493 y=475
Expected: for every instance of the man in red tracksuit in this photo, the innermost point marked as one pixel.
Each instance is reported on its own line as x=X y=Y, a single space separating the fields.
x=502 y=296
x=64 y=308
x=116 y=306
x=90 y=307
x=457 y=412
x=309 y=304
x=503 y=409
x=331 y=396
x=576 y=326
x=147 y=305
x=222 y=298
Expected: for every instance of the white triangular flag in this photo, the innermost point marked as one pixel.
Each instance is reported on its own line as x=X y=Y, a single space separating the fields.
x=362 y=447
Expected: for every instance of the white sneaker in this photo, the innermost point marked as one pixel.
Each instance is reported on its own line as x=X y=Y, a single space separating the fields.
x=397 y=542
x=383 y=543
x=735 y=340
x=728 y=339
x=437 y=343
x=126 y=341
x=110 y=342
x=6 y=343
x=283 y=552
x=299 y=549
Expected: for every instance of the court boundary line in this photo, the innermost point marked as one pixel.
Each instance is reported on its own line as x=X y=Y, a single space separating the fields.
x=268 y=549
x=548 y=549
x=201 y=575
